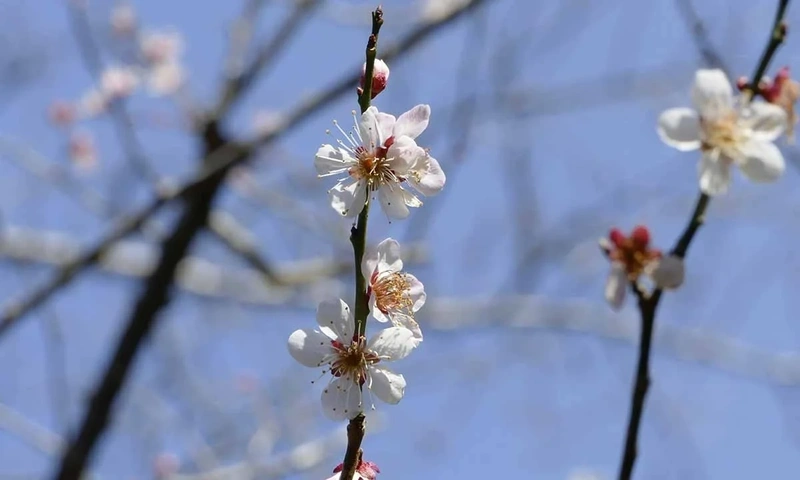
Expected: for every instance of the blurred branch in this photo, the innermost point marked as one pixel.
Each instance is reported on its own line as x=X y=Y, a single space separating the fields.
x=705 y=47
x=29 y=432
x=238 y=85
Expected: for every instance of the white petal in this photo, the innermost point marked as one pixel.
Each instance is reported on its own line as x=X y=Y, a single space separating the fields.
x=416 y=292
x=393 y=201
x=387 y=385
x=341 y=399
x=680 y=128
x=413 y=122
x=309 y=347
x=349 y=200
x=767 y=121
x=331 y=160
x=407 y=321
x=761 y=162
x=166 y=79
x=375 y=311
x=368 y=128
x=385 y=124
x=715 y=174
x=389 y=259
x=667 y=272
x=712 y=93
x=616 y=286
x=336 y=315
x=403 y=154
x=427 y=176
x=393 y=343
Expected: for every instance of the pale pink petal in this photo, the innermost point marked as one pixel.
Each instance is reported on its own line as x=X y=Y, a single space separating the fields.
x=413 y=122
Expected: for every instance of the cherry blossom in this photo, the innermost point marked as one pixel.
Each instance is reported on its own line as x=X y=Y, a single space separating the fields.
x=352 y=361
x=380 y=154
x=393 y=294
x=728 y=131
x=364 y=471
x=380 y=77
x=631 y=256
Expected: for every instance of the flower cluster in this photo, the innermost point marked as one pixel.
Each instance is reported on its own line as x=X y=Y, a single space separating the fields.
x=728 y=130
x=380 y=156
x=150 y=58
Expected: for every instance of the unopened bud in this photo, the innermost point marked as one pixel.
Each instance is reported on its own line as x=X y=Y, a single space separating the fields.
x=61 y=113
x=380 y=77
x=742 y=83
x=641 y=236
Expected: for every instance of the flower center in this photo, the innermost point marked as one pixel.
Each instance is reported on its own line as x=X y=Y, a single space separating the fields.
x=635 y=256
x=391 y=292
x=722 y=133
x=373 y=167
x=352 y=360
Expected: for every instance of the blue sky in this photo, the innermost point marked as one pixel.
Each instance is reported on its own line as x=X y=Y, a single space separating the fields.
x=550 y=139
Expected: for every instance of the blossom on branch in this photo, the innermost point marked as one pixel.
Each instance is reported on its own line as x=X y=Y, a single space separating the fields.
x=381 y=155
x=393 y=294
x=783 y=92
x=631 y=256
x=364 y=471
x=353 y=361
x=728 y=131
x=380 y=78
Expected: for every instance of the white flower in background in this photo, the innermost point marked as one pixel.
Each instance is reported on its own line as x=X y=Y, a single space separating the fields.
x=166 y=79
x=393 y=294
x=728 y=131
x=631 y=256
x=118 y=82
x=123 y=19
x=380 y=155
x=91 y=104
x=364 y=471
x=158 y=48
x=351 y=360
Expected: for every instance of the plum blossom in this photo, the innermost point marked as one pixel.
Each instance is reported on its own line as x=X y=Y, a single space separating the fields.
x=380 y=77
x=393 y=294
x=783 y=92
x=631 y=256
x=161 y=53
x=364 y=471
x=123 y=19
x=381 y=154
x=353 y=361
x=82 y=150
x=728 y=131
x=118 y=82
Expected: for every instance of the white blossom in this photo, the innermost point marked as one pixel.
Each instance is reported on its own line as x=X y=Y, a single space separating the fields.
x=728 y=131
x=351 y=360
x=393 y=294
x=381 y=155
x=118 y=82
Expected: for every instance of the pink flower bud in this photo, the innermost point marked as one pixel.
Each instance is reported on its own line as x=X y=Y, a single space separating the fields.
x=364 y=471
x=380 y=77
x=61 y=113
x=165 y=465
x=741 y=83
x=82 y=150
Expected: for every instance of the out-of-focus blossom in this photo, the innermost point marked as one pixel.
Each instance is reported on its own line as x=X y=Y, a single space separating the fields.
x=364 y=471
x=351 y=360
x=728 y=131
x=158 y=48
x=393 y=294
x=165 y=465
x=82 y=150
x=123 y=19
x=380 y=77
x=166 y=79
x=62 y=113
x=784 y=91
x=631 y=256
x=118 y=82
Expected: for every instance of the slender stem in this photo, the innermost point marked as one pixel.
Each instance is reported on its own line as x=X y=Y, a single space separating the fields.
x=649 y=303
x=358 y=237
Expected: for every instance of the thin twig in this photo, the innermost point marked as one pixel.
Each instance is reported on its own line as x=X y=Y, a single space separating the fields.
x=358 y=237
x=648 y=304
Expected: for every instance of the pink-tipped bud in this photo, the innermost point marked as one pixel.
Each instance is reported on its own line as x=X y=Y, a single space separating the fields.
x=617 y=237
x=641 y=236
x=380 y=77
x=364 y=471
x=61 y=113
x=742 y=83
x=82 y=150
